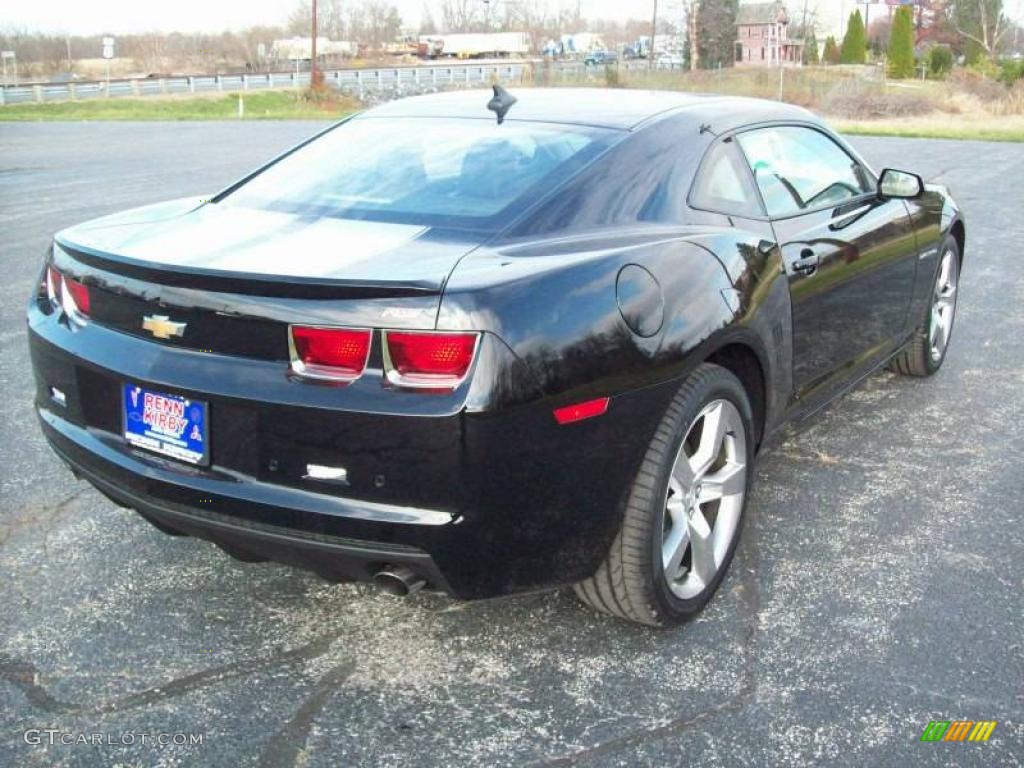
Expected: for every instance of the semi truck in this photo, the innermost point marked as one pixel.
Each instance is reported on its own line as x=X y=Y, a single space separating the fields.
x=473 y=45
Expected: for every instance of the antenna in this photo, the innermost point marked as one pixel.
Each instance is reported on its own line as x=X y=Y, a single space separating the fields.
x=501 y=103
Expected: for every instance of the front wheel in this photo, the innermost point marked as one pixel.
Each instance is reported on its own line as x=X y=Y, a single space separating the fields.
x=684 y=513
x=926 y=352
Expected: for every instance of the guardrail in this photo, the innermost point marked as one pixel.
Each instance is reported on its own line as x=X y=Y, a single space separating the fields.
x=358 y=82
x=355 y=80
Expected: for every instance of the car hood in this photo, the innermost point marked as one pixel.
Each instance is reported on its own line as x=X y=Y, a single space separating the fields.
x=194 y=236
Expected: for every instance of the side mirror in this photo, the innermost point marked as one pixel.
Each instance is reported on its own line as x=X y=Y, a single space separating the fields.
x=900 y=185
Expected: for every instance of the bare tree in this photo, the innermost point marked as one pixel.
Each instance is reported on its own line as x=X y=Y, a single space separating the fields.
x=298 y=19
x=374 y=23
x=460 y=15
x=427 y=25
x=693 y=20
x=981 y=21
x=331 y=19
x=533 y=18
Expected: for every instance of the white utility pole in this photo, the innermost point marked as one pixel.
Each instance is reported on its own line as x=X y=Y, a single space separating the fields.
x=108 y=54
x=654 y=34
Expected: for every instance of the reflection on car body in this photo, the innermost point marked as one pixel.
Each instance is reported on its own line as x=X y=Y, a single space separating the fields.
x=437 y=350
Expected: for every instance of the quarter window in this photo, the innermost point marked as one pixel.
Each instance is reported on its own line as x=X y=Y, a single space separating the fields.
x=801 y=169
x=723 y=184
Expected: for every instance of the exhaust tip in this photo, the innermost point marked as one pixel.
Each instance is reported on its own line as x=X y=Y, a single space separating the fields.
x=398 y=580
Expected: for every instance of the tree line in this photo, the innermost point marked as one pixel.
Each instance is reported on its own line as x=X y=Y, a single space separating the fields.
x=973 y=29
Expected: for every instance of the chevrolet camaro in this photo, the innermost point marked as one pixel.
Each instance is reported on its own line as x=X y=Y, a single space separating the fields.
x=488 y=343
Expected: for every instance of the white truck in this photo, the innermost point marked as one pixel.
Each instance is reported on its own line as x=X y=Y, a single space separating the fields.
x=473 y=45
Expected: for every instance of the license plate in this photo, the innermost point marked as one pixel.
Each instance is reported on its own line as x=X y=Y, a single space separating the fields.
x=167 y=424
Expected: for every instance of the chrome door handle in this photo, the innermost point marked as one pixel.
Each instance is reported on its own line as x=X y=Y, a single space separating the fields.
x=807 y=264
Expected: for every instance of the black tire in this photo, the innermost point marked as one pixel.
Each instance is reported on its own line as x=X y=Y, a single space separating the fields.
x=916 y=359
x=631 y=582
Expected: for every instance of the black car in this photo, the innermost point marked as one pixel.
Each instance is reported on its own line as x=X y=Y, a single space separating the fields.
x=429 y=347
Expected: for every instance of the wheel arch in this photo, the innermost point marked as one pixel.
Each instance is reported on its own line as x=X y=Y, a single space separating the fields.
x=740 y=357
x=959 y=233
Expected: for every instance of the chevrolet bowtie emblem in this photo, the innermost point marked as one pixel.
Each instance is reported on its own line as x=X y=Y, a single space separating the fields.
x=162 y=326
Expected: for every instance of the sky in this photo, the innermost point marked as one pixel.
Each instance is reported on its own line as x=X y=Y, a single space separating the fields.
x=123 y=16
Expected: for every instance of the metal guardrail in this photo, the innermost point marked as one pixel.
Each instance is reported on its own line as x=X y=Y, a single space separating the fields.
x=358 y=82
x=352 y=80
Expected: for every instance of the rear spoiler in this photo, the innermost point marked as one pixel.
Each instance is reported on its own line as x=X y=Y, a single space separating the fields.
x=68 y=256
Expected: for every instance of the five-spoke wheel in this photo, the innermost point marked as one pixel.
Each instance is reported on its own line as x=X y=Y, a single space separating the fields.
x=682 y=519
x=705 y=498
x=943 y=305
x=925 y=352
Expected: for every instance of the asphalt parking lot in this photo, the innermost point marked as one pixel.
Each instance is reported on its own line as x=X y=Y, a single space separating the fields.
x=878 y=585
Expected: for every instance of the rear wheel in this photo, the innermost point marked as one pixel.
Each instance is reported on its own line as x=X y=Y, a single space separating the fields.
x=926 y=352
x=683 y=516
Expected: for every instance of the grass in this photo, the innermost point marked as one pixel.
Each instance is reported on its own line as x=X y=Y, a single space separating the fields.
x=857 y=105
x=933 y=110
x=259 y=105
x=963 y=127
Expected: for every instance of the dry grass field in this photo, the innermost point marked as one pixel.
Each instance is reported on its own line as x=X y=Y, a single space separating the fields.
x=860 y=100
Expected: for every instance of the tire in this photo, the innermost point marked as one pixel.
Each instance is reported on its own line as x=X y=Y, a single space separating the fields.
x=633 y=582
x=921 y=357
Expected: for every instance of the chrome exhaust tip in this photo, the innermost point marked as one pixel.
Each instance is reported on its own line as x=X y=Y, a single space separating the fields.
x=399 y=580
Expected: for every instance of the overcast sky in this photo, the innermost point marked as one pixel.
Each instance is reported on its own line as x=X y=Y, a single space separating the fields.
x=121 y=16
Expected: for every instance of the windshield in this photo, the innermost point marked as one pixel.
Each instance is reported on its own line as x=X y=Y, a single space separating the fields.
x=432 y=171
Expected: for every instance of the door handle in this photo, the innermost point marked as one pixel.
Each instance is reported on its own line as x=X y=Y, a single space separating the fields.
x=807 y=264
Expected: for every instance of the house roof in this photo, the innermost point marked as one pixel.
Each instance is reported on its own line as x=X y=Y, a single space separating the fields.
x=761 y=13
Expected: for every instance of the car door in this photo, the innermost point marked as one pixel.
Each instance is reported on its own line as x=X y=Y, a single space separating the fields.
x=849 y=255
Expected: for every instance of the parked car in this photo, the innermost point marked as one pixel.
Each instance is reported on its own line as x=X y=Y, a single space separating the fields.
x=488 y=356
x=600 y=58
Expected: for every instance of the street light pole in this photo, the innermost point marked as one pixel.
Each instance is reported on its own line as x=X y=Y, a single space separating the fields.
x=312 y=55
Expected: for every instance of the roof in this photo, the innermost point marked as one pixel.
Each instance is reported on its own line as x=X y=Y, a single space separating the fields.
x=761 y=13
x=600 y=107
x=623 y=109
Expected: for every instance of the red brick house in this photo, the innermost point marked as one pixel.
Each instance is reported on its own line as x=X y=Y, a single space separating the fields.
x=763 y=36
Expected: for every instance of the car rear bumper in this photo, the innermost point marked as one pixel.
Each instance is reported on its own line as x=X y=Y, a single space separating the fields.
x=333 y=557
x=189 y=507
x=483 y=499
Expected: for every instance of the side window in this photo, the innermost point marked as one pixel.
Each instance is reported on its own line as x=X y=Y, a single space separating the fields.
x=723 y=185
x=801 y=169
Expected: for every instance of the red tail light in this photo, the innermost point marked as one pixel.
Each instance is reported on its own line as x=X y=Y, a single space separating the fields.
x=428 y=360
x=54 y=285
x=79 y=294
x=68 y=294
x=336 y=354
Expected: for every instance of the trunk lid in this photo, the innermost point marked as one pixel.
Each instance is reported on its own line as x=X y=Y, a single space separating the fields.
x=269 y=246
x=237 y=277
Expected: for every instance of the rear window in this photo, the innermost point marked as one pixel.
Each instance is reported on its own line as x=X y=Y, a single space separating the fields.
x=432 y=171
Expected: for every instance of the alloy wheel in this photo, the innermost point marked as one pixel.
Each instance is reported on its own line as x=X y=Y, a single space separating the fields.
x=705 y=499
x=943 y=306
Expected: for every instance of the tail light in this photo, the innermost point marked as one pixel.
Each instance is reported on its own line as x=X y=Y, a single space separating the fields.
x=68 y=294
x=76 y=297
x=54 y=285
x=331 y=354
x=427 y=359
